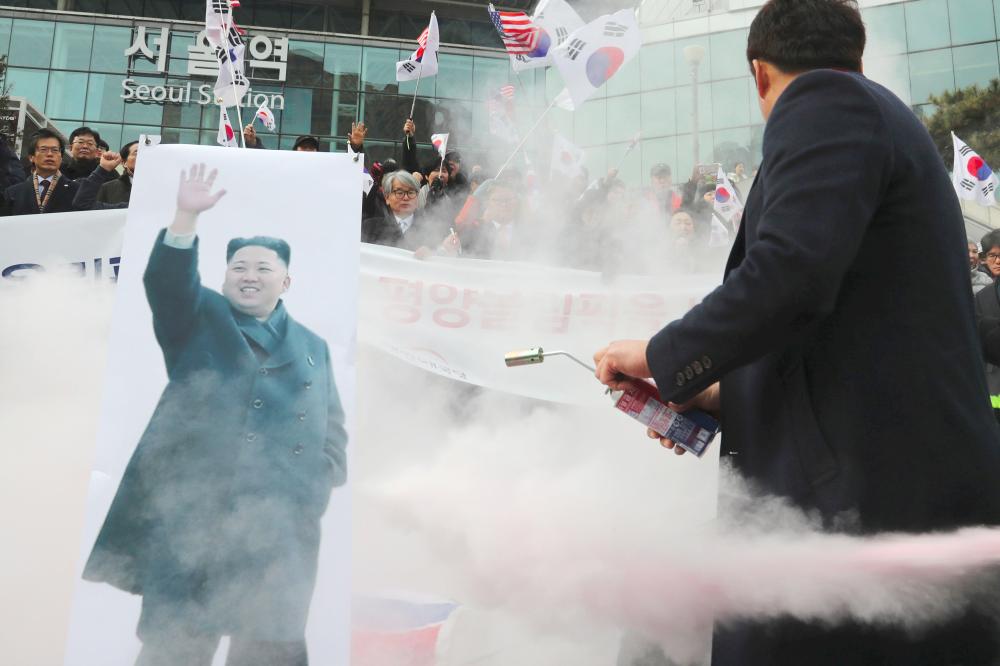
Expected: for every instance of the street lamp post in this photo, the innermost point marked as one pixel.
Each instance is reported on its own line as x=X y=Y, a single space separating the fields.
x=692 y=56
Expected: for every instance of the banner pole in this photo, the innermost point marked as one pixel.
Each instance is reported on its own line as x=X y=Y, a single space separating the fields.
x=526 y=136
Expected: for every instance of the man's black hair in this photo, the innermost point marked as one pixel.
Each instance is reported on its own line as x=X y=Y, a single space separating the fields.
x=800 y=35
x=990 y=241
x=303 y=140
x=125 y=149
x=103 y=145
x=45 y=134
x=280 y=247
x=80 y=131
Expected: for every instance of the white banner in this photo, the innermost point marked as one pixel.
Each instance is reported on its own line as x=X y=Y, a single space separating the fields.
x=454 y=317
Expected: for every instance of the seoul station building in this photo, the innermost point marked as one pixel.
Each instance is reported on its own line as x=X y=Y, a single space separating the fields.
x=130 y=67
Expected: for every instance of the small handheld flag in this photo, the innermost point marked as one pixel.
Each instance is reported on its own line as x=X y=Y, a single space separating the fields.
x=440 y=142
x=266 y=116
x=726 y=202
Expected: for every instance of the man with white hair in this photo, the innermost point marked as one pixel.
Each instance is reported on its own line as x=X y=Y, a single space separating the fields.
x=404 y=225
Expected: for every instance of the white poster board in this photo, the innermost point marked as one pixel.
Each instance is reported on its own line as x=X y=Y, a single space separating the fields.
x=213 y=539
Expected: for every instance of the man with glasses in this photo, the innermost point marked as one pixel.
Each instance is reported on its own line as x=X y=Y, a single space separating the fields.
x=84 y=153
x=404 y=226
x=988 y=318
x=980 y=274
x=47 y=190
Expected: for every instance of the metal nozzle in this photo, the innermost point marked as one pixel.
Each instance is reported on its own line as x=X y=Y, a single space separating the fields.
x=524 y=357
x=536 y=355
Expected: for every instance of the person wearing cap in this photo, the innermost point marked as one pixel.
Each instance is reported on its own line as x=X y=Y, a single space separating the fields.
x=458 y=183
x=661 y=190
x=306 y=144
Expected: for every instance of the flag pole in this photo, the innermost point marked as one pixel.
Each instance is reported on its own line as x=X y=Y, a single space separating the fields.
x=232 y=75
x=528 y=134
x=413 y=104
x=628 y=150
x=617 y=168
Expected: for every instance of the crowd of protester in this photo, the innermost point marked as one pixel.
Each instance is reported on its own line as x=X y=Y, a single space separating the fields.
x=442 y=207
x=56 y=178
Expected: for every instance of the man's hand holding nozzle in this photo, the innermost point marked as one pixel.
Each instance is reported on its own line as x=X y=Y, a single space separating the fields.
x=621 y=360
x=194 y=196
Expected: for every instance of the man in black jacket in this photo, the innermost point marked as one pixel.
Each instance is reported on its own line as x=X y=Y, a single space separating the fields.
x=403 y=226
x=84 y=153
x=47 y=190
x=845 y=382
x=119 y=190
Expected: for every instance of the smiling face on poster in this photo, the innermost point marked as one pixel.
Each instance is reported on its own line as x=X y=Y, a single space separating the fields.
x=217 y=519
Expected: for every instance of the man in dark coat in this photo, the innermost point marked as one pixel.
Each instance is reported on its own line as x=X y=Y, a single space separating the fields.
x=84 y=153
x=216 y=522
x=119 y=190
x=47 y=190
x=403 y=226
x=849 y=384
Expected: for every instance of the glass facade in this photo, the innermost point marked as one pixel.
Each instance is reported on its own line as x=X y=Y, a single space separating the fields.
x=917 y=48
x=76 y=71
x=72 y=68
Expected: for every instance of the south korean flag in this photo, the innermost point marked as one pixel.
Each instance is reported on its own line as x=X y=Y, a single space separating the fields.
x=232 y=84
x=423 y=61
x=973 y=178
x=594 y=53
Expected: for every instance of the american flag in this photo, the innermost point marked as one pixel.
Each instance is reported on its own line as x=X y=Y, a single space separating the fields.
x=507 y=92
x=422 y=41
x=518 y=33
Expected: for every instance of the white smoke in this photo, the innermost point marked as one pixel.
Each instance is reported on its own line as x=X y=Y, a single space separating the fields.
x=575 y=525
x=53 y=345
x=556 y=528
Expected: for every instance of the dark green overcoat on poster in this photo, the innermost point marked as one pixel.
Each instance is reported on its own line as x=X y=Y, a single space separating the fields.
x=216 y=522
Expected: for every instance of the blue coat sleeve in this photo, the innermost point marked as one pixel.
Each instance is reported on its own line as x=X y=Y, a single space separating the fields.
x=826 y=162
x=174 y=291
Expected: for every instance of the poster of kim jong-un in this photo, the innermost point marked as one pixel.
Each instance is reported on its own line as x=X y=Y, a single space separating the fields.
x=217 y=527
